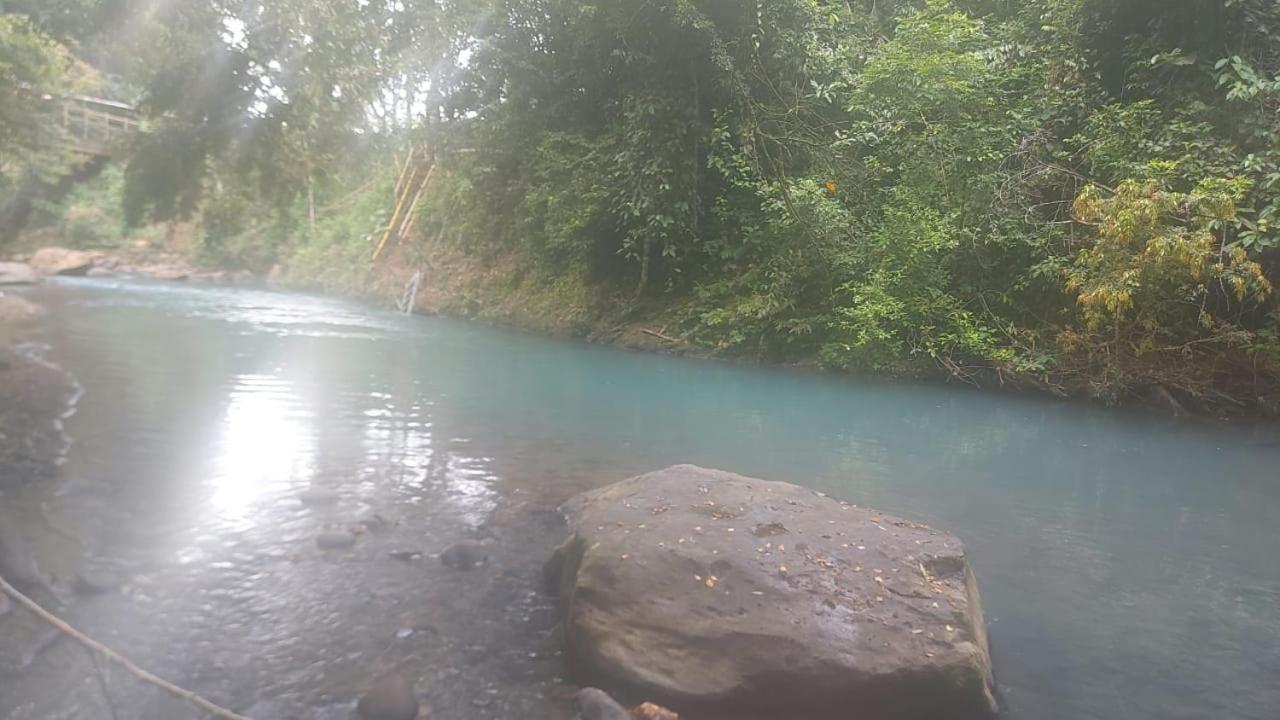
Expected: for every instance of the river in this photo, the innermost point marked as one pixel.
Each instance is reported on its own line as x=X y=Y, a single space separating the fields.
x=1129 y=566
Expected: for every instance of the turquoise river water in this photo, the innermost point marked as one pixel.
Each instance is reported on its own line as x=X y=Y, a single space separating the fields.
x=1129 y=566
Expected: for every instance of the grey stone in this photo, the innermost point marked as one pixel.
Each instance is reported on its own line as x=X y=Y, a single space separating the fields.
x=666 y=593
x=466 y=555
x=595 y=704
x=390 y=698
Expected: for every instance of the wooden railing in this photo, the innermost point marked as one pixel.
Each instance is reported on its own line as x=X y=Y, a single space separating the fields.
x=96 y=127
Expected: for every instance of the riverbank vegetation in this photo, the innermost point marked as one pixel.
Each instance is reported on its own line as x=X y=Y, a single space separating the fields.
x=1075 y=195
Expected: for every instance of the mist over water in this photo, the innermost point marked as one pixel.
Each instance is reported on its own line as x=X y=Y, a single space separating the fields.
x=1129 y=567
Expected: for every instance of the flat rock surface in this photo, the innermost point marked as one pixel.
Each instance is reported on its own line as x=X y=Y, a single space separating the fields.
x=14 y=273
x=723 y=595
x=63 y=261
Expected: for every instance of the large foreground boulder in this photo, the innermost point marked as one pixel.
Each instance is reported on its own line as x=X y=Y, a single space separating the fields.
x=726 y=596
x=15 y=273
x=62 y=261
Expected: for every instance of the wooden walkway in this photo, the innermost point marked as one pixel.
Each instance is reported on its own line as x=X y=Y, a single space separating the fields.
x=94 y=126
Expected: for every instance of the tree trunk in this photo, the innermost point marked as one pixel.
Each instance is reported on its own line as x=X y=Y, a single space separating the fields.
x=311 y=203
x=644 y=266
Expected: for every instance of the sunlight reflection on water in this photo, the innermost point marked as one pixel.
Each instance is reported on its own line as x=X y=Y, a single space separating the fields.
x=265 y=442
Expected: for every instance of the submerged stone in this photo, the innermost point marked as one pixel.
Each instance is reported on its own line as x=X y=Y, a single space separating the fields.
x=336 y=540
x=713 y=592
x=466 y=555
x=390 y=698
x=34 y=396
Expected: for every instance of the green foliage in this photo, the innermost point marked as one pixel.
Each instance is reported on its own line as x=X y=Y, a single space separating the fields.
x=565 y=204
x=90 y=217
x=1086 y=191
x=31 y=63
x=900 y=306
x=1158 y=255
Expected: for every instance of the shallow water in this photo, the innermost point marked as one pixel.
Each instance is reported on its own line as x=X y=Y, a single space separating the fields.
x=1130 y=567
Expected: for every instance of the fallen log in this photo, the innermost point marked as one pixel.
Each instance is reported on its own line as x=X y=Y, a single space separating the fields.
x=660 y=336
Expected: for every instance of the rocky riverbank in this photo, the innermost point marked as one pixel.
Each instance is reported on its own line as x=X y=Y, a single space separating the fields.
x=140 y=261
x=500 y=290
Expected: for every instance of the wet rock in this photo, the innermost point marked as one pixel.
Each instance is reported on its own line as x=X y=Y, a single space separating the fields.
x=594 y=704
x=649 y=711
x=34 y=396
x=466 y=555
x=374 y=522
x=336 y=540
x=13 y=273
x=168 y=273
x=62 y=261
x=18 y=563
x=390 y=698
x=211 y=277
x=665 y=593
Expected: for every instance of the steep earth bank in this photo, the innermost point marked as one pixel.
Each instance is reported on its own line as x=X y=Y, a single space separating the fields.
x=500 y=289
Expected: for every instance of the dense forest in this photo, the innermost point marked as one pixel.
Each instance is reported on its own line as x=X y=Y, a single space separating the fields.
x=1080 y=196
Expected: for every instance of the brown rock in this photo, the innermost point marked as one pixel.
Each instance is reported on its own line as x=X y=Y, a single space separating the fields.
x=390 y=698
x=14 y=273
x=666 y=594
x=62 y=261
x=649 y=711
x=170 y=273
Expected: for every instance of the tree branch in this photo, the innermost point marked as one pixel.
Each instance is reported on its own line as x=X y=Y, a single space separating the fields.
x=108 y=653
